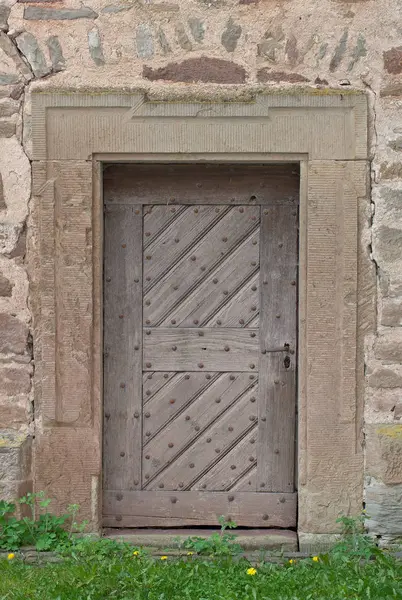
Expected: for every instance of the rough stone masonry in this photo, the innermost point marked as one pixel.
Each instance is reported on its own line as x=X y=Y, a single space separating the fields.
x=355 y=44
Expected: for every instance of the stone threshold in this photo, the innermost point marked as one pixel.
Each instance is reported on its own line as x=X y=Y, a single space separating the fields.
x=31 y=556
x=279 y=540
x=28 y=554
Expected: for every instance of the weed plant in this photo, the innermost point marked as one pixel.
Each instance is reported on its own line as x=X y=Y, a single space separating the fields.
x=211 y=569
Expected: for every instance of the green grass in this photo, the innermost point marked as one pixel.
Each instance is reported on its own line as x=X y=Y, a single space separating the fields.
x=98 y=570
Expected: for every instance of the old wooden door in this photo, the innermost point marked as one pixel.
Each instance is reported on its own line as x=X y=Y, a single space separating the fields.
x=199 y=335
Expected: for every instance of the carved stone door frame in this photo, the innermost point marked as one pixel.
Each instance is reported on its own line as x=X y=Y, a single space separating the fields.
x=74 y=133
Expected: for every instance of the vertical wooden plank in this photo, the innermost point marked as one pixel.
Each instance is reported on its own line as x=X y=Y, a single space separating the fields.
x=278 y=323
x=122 y=348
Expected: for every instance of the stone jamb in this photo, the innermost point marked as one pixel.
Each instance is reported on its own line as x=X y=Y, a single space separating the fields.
x=73 y=134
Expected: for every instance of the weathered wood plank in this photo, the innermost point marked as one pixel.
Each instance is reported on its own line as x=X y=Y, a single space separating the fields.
x=277 y=403
x=201 y=184
x=242 y=309
x=276 y=433
x=208 y=349
x=173 y=398
x=153 y=382
x=167 y=445
x=222 y=435
x=220 y=286
x=233 y=467
x=247 y=483
x=122 y=348
x=167 y=509
x=177 y=239
x=194 y=267
x=254 y=322
x=157 y=218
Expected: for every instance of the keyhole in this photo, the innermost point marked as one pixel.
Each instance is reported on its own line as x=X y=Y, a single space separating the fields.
x=286 y=362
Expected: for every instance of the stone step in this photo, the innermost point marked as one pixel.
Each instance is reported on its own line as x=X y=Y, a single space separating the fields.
x=280 y=540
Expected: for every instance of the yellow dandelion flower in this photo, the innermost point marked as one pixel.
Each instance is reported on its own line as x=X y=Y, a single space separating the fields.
x=163 y=557
x=136 y=553
x=291 y=561
x=10 y=556
x=251 y=571
x=316 y=558
x=190 y=553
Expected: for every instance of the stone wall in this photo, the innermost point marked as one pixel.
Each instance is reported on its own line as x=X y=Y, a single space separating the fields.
x=244 y=43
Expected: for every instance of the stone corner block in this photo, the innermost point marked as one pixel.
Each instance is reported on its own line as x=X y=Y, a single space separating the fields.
x=384 y=452
x=388 y=347
x=15 y=456
x=14 y=412
x=76 y=480
x=385 y=377
x=28 y=45
x=198 y=69
x=4 y=14
x=11 y=490
x=15 y=380
x=14 y=334
x=15 y=175
x=318 y=512
x=384 y=507
x=39 y=13
x=391 y=310
x=9 y=49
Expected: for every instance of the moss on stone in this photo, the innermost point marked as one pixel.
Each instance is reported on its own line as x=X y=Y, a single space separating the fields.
x=391 y=431
x=11 y=439
x=238 y=92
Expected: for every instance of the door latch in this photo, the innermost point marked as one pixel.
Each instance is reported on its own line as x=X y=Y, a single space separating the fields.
x=286 y=348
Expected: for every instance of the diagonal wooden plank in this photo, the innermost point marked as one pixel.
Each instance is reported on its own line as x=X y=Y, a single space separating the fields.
x=241 y=309
x=157 y=218
x=247 y=483
x=205 y=256
x=213 y=443
x=152 y=382
x=190 y=424
x=177 y=240
x=222 y=283
x=254 y=322
x=173 y=398
x=232 y=467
